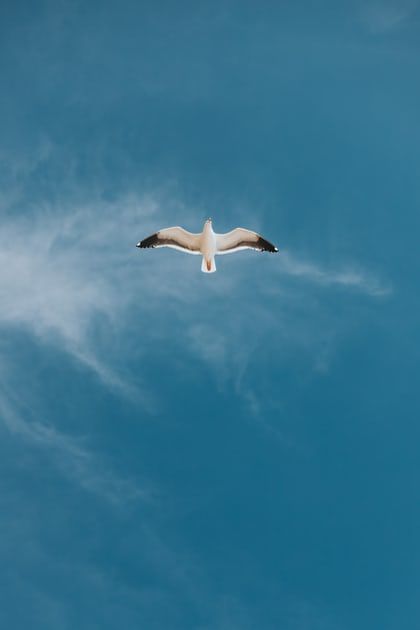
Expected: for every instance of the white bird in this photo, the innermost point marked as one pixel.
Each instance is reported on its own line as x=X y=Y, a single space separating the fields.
x=208 y=244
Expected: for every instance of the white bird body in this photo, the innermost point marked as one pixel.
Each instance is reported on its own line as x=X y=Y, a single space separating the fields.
x=208 y=248
x=208 y=244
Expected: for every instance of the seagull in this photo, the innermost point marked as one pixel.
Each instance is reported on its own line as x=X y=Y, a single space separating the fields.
x=208 y=244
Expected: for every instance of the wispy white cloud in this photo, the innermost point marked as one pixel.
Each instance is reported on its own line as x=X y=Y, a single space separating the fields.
x=350 y=278
x=72 y=278
x=64 y=279
x=70 y=275
x=73 y=458
x=63 y=271
x=279 y=318
x=381 y=17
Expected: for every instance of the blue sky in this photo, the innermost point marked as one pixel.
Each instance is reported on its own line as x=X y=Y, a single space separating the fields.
x=223 y=452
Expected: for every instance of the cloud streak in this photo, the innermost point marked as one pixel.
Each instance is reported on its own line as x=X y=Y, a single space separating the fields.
x=74 y=459
x=347 y=277
x=73 y=278
x=385 y=16
x=70 y=275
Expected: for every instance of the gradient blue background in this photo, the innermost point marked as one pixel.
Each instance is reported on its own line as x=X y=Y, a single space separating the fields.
x=234 y=451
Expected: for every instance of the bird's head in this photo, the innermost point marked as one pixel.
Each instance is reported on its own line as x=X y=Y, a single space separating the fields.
x=208 y=220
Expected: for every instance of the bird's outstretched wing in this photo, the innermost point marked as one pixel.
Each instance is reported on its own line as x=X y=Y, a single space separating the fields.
x=175 y=237
x=239 y=239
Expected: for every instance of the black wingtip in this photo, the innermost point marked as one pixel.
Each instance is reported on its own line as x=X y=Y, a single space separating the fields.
x=266 y=246
x=150 y=241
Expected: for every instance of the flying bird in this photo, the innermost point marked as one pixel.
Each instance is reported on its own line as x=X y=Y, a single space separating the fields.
x=208 y=244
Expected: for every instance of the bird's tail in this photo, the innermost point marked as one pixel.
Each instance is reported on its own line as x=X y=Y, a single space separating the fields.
x=208 y=265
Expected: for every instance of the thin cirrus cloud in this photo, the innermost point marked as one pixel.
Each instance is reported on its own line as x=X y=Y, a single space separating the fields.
x=67 y=272
x=74 y=460
x=61 y=272
x=73 y=279
x=349 y=277
x=55 y=287
x=381 y=17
